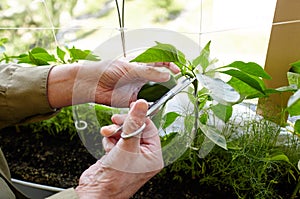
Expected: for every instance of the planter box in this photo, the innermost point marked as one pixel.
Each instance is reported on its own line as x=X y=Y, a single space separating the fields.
x=35 y=191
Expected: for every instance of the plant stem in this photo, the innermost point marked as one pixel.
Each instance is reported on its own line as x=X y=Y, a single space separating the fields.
x=194 y=135
x=196 y=109
x=297 y=189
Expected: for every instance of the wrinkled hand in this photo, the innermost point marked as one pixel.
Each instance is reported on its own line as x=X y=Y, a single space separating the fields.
x=114 y=83
x=121 y=81
x=128 y=163
x=117 y=83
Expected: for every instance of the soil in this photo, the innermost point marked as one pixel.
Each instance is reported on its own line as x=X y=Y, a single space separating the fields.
x=60 y=161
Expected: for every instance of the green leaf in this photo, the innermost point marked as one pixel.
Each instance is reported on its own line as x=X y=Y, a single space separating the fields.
x=203 y=58
x=37 y=56
x=165 y=140
x=295 y=67
x=294 y=78
x=36 y=61
x=61 y=54
x=251 y=81
x=294 y=104
x=152 y=91
x=78 y=54
x=38 y=50
x=223 y=112
x=250 y=68
x=169 y=118
x=206 y=147
x=202 y=101
x=297 y=127
x=6 y=58
x=203 y=118
x=24 y=58
x=99 y=107
x=214 y=135
x=44 y=57
x=290 y=88
x=219 y=90
x=189 y=121
x=161 y=53
x=278 y=157
x=3 y=41
x=244 y=89
x=181 y=58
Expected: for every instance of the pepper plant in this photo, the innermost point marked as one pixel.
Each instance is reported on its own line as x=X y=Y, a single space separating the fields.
x=209 y=93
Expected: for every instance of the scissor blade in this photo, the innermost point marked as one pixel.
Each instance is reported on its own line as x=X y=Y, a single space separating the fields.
x=171 y=93
x=175 y=90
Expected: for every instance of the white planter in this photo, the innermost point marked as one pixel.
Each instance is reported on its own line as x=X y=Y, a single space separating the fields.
x=35 y=191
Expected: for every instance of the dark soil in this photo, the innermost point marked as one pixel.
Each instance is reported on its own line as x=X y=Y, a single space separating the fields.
x=44 y=159
x=60 y=161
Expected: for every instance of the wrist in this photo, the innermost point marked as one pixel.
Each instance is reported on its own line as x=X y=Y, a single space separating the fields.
x=60 y=85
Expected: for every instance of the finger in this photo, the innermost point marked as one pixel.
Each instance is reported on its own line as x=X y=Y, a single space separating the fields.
x=151 y=73
x=150 y=138
x=110 y=130
x=170 y=65
x=109 y=143
x=136 y=118
x=118 y=119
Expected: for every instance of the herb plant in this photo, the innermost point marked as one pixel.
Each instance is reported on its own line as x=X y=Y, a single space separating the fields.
x=294 y=101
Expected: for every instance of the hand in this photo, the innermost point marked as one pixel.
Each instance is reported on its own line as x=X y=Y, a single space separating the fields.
x=121 y=81
x=111 y=83
x=128 y=163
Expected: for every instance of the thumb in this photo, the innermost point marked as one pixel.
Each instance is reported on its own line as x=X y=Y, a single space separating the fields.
x=135 y=120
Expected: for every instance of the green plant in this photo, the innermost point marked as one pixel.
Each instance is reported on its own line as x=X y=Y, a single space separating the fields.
x=253 y=165
x=60 y=124
x=293 y=107
x=63 y=122
x=211 y=93
x=39 y=56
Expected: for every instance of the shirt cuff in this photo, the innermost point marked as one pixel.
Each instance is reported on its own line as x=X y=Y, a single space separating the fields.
x=26 y=93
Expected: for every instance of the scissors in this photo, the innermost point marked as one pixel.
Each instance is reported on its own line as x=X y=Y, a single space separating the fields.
x=157 y=104
x=121 y=24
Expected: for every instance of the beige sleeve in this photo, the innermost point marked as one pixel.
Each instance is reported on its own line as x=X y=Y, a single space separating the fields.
x=23 y=94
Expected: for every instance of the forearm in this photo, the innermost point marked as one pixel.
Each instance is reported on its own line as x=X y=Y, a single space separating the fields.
x=60 y=85
x=72 y=84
